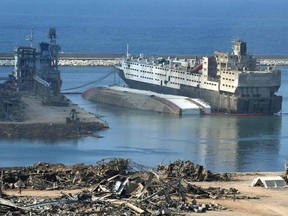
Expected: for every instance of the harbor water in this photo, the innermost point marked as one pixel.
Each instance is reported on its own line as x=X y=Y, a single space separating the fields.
x=220 y=143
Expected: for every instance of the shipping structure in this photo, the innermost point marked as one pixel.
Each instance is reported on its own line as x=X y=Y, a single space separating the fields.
x=231 y=82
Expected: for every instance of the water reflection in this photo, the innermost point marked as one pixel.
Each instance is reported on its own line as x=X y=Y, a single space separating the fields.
x=241 y=143
x=220 y=143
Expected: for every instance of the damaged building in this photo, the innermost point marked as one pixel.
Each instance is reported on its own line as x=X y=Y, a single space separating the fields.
x=10 y=101
x=37 y=70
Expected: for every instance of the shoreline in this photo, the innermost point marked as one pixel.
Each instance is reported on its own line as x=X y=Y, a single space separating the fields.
x=48 y=130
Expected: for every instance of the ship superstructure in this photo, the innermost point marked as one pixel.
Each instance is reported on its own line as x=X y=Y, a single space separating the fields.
x=229 y=82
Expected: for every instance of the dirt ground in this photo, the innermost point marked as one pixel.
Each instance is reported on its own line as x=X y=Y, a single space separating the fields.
x=36 y=112
x=51 y=121
x=270 y=202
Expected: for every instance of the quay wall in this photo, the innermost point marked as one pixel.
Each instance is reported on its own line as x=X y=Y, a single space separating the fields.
x=97 y=59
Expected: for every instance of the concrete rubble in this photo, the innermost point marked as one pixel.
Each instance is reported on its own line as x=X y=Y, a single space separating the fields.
x=11 y=105
x=116 y=186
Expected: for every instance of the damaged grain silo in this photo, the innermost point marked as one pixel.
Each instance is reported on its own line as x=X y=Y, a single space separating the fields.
x=37 y=70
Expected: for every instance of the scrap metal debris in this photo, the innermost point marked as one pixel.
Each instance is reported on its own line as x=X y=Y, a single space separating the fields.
x=112 y=187
x=11 y=106
x=187 y=170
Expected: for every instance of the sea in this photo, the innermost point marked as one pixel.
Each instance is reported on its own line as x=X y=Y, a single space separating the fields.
x=219 y=143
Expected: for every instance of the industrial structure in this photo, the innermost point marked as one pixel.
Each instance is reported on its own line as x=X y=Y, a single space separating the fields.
x=37 y=70
x=10 y=101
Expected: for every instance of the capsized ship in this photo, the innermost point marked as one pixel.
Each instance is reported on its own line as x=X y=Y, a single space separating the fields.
x=231 y=82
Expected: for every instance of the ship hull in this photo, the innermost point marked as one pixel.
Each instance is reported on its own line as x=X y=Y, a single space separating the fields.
x=219 y=102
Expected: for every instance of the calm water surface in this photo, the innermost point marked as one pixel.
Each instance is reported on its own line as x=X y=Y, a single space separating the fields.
x=220 y=143
x=149 y=26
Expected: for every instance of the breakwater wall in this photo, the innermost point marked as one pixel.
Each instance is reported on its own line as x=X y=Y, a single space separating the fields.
x=74 y=62
x=73 y=59
x=97 y=59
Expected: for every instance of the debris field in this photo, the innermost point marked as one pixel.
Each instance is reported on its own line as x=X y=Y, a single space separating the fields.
x=116 y=186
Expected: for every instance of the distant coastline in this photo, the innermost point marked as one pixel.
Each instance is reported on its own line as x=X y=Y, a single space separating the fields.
x=99 y=59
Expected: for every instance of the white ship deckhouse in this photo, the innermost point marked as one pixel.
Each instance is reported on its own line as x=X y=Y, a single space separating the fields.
x=229 y=82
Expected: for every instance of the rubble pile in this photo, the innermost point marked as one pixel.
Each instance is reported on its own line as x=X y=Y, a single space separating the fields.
x=187 y=170
x=111 y=187
x=11 y=106
x=45 y=176
x=64 y=206
x=285 y=177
